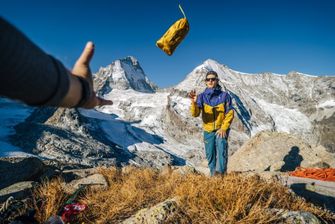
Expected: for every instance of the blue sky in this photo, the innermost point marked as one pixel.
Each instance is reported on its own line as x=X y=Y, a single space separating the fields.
x=249 y=36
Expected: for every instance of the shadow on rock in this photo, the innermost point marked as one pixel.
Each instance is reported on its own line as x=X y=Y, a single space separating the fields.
x=292 y=160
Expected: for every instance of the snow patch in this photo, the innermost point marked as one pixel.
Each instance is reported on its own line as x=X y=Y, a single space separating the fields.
x=11 y=114
x=307 y=75
x=328 y=103
x=259 y=128
x=286 y=119
x=181 y=105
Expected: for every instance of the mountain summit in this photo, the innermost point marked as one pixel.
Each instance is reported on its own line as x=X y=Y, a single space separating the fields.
x=123 y=74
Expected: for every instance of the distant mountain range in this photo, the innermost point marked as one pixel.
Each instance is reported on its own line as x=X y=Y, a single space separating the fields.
x=153 y=127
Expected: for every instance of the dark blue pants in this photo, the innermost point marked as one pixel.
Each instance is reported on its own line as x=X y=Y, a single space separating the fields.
x=216 y=151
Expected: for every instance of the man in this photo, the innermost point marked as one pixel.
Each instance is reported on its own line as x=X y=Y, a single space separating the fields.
x=30 y=75
x=217 y=115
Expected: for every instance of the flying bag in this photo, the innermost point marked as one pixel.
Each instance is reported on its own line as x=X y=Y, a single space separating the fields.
x=174 y=35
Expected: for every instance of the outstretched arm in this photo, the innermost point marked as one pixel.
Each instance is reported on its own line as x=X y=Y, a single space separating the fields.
x=30 y=75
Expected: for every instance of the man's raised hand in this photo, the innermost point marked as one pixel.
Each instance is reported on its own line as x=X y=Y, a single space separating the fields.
x=193 y=96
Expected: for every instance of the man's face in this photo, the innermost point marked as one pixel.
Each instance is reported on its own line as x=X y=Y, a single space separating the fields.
x=211 y=81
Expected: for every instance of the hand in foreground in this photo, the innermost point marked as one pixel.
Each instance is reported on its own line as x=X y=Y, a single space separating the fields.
x=82 y=69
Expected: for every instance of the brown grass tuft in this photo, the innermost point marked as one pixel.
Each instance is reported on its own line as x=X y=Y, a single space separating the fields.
x=128 y=192
x=233 y=198
x=48 y=199
x=238 y=199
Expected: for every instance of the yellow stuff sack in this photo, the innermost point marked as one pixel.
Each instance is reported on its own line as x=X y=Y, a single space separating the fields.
x=174 y=35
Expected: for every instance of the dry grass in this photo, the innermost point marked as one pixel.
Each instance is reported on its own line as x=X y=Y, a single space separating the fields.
x=238 y=199
x=233 y=198
x=48 y=199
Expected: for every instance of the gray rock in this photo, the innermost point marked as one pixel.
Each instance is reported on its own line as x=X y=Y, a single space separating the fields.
x=96 y=180
x=20 y=169
x=155 y=159
x=72 y=174
x=54 y=220
x=65 y=135
x=319 y=192
x=18 y=190
x=157 y=214
x=300 y=217
x=184 y=170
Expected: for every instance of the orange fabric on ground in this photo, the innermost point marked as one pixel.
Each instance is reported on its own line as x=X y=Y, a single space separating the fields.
x=325 y=174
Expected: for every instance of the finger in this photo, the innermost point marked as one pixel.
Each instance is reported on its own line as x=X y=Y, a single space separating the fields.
x=96 y=102
x=87 y=54
x=103 y=102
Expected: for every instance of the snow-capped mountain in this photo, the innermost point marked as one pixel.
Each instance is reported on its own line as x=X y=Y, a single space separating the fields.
x=298 y=104
x=123 y=74
x=295 y=103
x=149 y=127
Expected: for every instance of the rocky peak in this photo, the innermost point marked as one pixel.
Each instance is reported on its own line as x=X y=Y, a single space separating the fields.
x=131 y=61
x=123 y=74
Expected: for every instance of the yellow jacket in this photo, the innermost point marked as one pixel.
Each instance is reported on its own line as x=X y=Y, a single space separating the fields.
x=216 y=109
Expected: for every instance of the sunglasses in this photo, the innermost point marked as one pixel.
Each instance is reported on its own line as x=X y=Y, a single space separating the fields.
x=210 y=79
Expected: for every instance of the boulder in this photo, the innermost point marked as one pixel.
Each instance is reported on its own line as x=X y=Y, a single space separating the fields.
x=301 y=217
x=96 y=180
x=274 y=151
x=319 y=192
x=157 y=214
x=18 y=190
x=20 y=169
